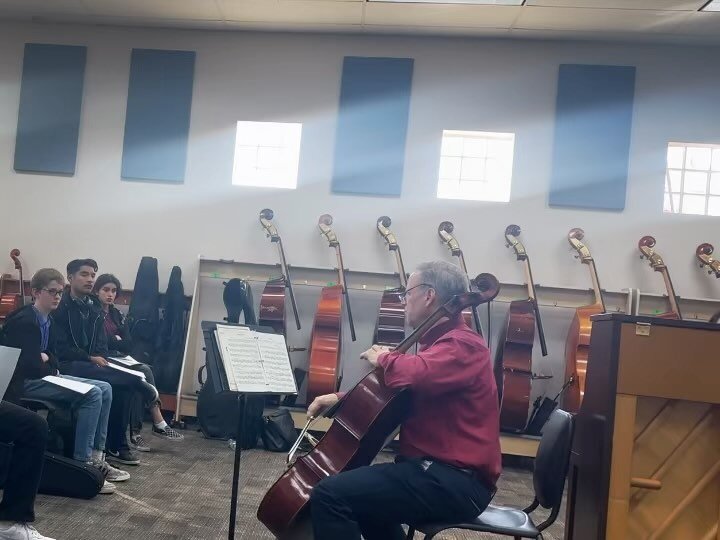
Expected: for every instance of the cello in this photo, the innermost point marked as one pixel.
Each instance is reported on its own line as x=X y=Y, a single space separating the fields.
x=704 y=255
x=365 y=418
x=445 y=229
x=390 y=326
x=10 y=302
x=272 y=302
x=577 y=343
x=646 y=245
x=326 y=338
x=513 y=362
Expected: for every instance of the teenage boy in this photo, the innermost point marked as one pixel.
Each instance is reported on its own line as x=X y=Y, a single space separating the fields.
x=30 y=329
x=82 y=352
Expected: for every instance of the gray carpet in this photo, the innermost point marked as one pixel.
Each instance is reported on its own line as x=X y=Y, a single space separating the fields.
x=182 y=491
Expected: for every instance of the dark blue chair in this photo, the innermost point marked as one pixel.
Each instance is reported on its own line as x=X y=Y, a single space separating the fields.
x=551 y=466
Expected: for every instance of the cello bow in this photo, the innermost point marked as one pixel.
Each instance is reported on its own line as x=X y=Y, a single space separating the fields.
x=445 y=230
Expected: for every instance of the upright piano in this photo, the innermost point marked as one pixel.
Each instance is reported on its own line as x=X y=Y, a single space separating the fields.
x=645 y=461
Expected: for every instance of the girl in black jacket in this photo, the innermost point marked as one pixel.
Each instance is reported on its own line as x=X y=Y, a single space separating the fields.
x=120 y=344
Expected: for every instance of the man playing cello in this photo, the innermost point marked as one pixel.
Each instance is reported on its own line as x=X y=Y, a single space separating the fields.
x=449 y=459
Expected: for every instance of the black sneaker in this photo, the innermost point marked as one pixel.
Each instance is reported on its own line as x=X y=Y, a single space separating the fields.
x=124 y=456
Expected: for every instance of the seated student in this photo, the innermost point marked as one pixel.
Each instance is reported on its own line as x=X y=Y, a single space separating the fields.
x=118 y=336
x=81 y=347
x=28 y=432
x=31 y=330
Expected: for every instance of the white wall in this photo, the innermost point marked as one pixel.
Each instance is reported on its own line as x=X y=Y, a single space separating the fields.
x=457 y=84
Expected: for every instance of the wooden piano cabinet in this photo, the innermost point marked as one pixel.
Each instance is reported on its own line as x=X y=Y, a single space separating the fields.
x=645 y=462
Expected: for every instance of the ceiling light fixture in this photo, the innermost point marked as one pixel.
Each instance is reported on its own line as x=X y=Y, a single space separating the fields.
x=712 y=5
x=474 y=2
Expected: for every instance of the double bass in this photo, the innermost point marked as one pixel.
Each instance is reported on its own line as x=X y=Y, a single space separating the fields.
x=577 y=343
x=445 y=230
x=390 y=326
x=272 y=303
x=646 y=245
x=704 y=255
x=365 y=418
x=326 y=339
x=9 y=302
x=513 y=361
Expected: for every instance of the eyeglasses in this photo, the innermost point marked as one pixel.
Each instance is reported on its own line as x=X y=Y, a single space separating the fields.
x=53 y=292
x=403 y=294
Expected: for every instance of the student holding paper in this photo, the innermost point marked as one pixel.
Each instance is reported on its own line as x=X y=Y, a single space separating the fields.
x=36 y=375
x=82 y=351
x=120 y=344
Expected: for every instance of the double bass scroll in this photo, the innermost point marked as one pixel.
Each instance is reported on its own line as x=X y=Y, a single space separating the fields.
x=646 y=246
x=11 y=302
x=704 y=254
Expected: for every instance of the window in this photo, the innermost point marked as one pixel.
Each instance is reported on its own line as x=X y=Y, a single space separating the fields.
x=476 y=165
x=692 y=179
x=267 y=154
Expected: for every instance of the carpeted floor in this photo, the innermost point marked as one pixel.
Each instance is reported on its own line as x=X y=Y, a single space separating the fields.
x=182 y=491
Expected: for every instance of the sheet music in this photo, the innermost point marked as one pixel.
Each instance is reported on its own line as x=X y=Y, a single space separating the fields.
x=255 y=362
x=75 y=386
x=126 y=370
x=125 y=360
x=8 y=360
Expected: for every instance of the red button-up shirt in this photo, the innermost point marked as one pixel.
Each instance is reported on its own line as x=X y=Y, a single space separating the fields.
x=455 y=416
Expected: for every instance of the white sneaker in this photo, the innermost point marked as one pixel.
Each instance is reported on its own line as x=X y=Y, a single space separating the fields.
x=116 y=475
x=107 y=488
x=34 y=535
x=21 y=531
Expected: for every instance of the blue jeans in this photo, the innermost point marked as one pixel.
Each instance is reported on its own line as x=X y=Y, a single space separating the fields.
x=92 y=410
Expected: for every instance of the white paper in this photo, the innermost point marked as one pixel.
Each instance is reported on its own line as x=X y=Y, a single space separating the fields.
x=125 y=360
x=255 y=362
x=126 y=370
x=75 y=386
x=8 y=360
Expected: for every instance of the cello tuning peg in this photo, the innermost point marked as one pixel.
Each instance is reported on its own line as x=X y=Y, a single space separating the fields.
x=709 y=272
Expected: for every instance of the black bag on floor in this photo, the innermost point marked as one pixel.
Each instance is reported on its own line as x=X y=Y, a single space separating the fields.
x=278 y=433
x=66 y=477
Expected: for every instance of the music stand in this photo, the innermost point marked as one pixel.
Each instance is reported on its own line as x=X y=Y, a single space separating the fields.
x=215 y=362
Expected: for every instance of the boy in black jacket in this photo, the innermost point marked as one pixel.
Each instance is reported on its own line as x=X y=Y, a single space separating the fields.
x=82 y=351
x=120 y=343
x=30 y=329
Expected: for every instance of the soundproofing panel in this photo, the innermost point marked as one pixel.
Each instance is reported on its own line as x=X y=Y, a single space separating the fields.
x=158 y=115
x=593 y=126
x=50 y=103
x=372 y=125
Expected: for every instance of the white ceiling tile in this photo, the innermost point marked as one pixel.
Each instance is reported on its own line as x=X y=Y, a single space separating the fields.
x=438 y=15
x=597 y=20
x=39 y=8
x=158 y=9
x=653 y=5
x=286 y=11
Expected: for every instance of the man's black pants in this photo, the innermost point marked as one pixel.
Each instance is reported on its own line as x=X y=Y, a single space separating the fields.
x=28 y=432
x=123 y=387
x=374 y=501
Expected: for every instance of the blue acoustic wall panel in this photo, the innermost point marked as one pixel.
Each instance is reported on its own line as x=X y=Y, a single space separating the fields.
x=157 y=121
x=50 y=103
x=372 y=125
x=592 y=136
